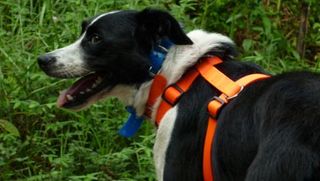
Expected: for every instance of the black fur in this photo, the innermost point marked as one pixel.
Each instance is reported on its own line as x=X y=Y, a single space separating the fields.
x=118 y=48
x=155 y=25
x=270 y=132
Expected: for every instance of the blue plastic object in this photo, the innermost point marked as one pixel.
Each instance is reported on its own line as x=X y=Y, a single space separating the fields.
x=132 y=125
x=158 y=55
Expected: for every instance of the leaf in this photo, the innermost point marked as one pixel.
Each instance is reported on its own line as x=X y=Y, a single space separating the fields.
x=8 y=126
x=267 y=25
x=247 y=44
x=16 y=104
x=296 y=55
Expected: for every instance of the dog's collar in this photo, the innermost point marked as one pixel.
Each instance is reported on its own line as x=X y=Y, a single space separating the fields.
x=157 y=57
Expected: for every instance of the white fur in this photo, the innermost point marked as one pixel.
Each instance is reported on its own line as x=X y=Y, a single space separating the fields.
x=182 y=57
x=69 y=60
x=141 y=98
x=162 y=141
x=102 y=15
x=123 y=92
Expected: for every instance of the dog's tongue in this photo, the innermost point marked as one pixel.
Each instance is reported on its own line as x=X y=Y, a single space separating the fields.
x=80 y=85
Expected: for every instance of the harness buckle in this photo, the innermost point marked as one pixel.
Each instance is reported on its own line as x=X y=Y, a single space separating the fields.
x=215 y=104
x=231 y=97
x=220 y=100
x=172 y=94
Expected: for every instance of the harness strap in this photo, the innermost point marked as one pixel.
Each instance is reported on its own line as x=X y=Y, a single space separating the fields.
x=171 y=95
x=216 y=78
x=213 y=109
x=158 y=85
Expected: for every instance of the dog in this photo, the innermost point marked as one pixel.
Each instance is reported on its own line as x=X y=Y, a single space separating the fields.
x=269 y=132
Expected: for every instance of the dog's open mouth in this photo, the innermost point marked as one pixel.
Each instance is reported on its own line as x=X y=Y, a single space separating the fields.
x=81 y=92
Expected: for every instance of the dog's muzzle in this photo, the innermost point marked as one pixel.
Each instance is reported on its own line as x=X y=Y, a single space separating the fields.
x=45 y=61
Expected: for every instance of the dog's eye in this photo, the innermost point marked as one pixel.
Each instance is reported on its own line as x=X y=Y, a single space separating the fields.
x=95 y=39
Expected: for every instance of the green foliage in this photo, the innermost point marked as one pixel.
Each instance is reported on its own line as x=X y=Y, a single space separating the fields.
x=9 y=127
x=40 y=142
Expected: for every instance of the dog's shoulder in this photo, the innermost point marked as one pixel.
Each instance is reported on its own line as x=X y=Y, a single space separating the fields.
x=182 y=57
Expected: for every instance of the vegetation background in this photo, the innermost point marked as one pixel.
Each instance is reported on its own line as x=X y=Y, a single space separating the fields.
x=41 y=142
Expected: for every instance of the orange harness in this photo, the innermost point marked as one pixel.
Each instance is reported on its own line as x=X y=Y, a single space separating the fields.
x=170 y=96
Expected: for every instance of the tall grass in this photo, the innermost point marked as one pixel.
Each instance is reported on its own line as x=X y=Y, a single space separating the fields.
x=40 y=142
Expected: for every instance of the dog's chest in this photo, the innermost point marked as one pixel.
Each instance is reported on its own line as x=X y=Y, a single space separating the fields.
x=163 y=137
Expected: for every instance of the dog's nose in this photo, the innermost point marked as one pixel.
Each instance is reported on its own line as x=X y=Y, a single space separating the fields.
x=46 y=60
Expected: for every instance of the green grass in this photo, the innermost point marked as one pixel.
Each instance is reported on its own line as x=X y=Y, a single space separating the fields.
x=41 y=142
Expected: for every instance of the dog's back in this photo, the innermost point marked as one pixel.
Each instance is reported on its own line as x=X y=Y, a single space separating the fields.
x=269 y=132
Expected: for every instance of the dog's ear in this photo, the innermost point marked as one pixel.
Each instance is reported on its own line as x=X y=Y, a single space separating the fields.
x=156 y=24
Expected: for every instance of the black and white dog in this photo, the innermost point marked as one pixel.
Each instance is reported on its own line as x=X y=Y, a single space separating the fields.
x=270 y=132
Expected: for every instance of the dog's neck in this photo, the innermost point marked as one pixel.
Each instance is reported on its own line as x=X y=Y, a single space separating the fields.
x=157 y=57
x=179 y=58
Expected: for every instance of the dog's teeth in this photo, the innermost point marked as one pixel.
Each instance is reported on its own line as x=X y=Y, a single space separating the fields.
x=88 y=90
x=81 y=92
x=69 y=97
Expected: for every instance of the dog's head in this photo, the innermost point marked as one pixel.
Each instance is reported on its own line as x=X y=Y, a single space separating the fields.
x=113 y=50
